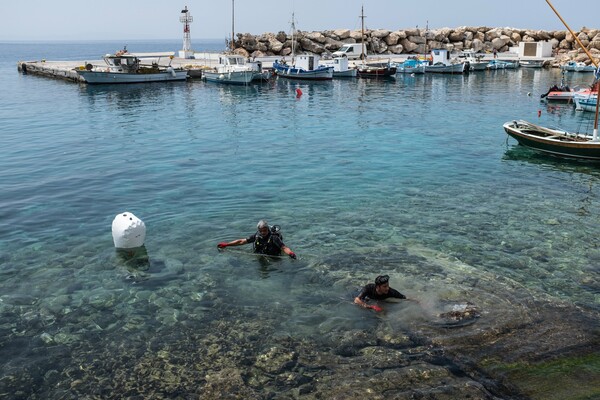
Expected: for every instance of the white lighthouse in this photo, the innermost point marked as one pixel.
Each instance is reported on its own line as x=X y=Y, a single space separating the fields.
x=186 y=19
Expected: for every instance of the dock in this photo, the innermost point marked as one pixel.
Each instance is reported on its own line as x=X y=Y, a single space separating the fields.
x=67 y=69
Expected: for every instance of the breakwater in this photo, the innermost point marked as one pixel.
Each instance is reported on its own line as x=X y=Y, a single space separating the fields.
x=419 y=41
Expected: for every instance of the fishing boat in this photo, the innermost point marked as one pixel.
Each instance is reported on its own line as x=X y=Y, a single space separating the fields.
x=364 y=70
x=411 y=66
x=573 y=66
x=586 y=103
x=341 y=67
x=124 y=67
x=531 y=63
x=474 y=59
x=231 y=69
x=305 y=66
x=441 y=63
x=501 y=64
x=556 y=141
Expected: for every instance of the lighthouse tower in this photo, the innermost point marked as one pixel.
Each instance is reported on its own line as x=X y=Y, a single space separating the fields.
x=186 y=19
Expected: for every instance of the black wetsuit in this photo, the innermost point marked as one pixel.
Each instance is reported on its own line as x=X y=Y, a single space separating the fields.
x=370 y=292
x=270 y=245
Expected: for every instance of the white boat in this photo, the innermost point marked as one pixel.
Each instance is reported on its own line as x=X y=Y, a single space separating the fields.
x=531 y=63
x=474 y=59
x=441 y=63
x=573 y=66
x=124 y=67
x=231 y=69
x=340 y=67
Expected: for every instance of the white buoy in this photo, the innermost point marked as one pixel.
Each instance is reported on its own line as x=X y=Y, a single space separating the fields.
x=128 y=231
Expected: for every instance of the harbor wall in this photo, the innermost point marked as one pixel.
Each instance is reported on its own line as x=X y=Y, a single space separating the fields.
x=419 y=41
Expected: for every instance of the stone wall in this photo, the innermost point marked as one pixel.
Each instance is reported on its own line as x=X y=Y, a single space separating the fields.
x=419 y=41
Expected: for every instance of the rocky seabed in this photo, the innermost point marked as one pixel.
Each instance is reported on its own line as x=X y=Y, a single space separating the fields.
x=420 y=41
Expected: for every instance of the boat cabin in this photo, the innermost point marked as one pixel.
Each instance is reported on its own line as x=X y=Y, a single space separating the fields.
x=307 y=62
x=340 y=64
x=440 y=56
x=122 y=62
x=226 y=59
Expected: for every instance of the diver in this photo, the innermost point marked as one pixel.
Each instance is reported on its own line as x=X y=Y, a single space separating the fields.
x=267 y=240
x=379 y=290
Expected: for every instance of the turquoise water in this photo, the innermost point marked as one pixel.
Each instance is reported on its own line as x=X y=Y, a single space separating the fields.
x=412 y=177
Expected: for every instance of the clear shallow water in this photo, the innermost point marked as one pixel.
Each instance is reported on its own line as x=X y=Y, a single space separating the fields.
x=412 y=177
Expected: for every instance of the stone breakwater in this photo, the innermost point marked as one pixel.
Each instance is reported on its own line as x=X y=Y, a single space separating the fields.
x=419 y=41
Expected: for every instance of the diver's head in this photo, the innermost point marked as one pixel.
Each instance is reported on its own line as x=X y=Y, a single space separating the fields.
x=262 y=227
x=382 y=285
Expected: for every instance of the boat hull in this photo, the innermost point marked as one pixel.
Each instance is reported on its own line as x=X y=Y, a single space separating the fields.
x=554 y=142
x=98 y=77
x=230 y=78
x=586 y=104
x=376 y=72
x=349 y=73
x=289 y=72
x=446 y=69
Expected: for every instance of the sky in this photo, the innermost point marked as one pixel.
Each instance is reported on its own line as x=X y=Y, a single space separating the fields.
x=43 y=20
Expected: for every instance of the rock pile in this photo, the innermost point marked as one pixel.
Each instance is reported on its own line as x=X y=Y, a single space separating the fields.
x=419 y=41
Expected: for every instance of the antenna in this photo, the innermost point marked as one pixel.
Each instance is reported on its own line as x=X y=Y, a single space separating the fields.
x=186 y=19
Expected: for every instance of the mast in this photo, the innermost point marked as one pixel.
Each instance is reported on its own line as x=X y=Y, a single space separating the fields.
x=293 y=30
x=595 y=134
x=232 y=44
x=573 y=33
x=362 y=33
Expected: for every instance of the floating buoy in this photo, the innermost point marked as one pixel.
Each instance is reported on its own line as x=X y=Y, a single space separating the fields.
x=539 y=113
x=128 y=231
x=298 y=92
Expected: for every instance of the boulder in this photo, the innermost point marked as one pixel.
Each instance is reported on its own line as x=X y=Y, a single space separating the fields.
x=409 y=47
x=560 y=35
x=380 y=33
x=356 y=35
x=241 y=52
x=392 y=39
x=515 y=37
x=316 y=37
x=396 y=49
x=498 y=43
x=342 y=33
x=417 y=39
x=378 y=46
x=401 y=34
x=412 y=32
x=281 y=36
x=310 y=46
x=456 y=36
x=493 y=34
x=477 y=45
x=275 y=45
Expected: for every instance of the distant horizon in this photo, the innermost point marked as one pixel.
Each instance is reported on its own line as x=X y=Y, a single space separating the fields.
x=67 y=21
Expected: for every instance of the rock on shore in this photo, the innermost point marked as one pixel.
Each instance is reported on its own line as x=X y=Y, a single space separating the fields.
x=420 y=41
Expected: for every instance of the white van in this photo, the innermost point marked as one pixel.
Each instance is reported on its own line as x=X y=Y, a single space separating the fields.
x=351 y=50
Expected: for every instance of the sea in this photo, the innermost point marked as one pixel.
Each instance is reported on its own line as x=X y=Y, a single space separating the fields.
x=411 y=177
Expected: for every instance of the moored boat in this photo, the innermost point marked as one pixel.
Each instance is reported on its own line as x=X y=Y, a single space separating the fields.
x=124 y=67
x=531 y=63
x=574 y=66
x=231 y=69
x=341 y=67
x=441 y=63
x=554 y=141
x=474 y=59
x=501 y=64
x=411 y=66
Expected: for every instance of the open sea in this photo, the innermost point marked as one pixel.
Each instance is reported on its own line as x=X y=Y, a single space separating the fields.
x=413 y=177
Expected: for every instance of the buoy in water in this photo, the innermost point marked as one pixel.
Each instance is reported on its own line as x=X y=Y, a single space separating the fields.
x=128 y=231
x=539 y=113
x=298 y=92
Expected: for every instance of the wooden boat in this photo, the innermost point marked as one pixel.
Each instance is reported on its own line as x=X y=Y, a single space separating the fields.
x=386 y=70
x=124 y=67
x=340 y=67
x=531 y=63
x=305 y=66
x=501 y=64
x=474 y=59
x=555 y=141
x=573 y=66
x=411 y=66
x=441 y=63
x=231 y=69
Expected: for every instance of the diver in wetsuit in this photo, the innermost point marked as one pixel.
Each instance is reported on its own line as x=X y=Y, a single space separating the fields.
x=379 y=290
x=267 y=240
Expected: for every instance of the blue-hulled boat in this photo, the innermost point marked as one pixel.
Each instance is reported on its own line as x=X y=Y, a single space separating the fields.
x=305 y=66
